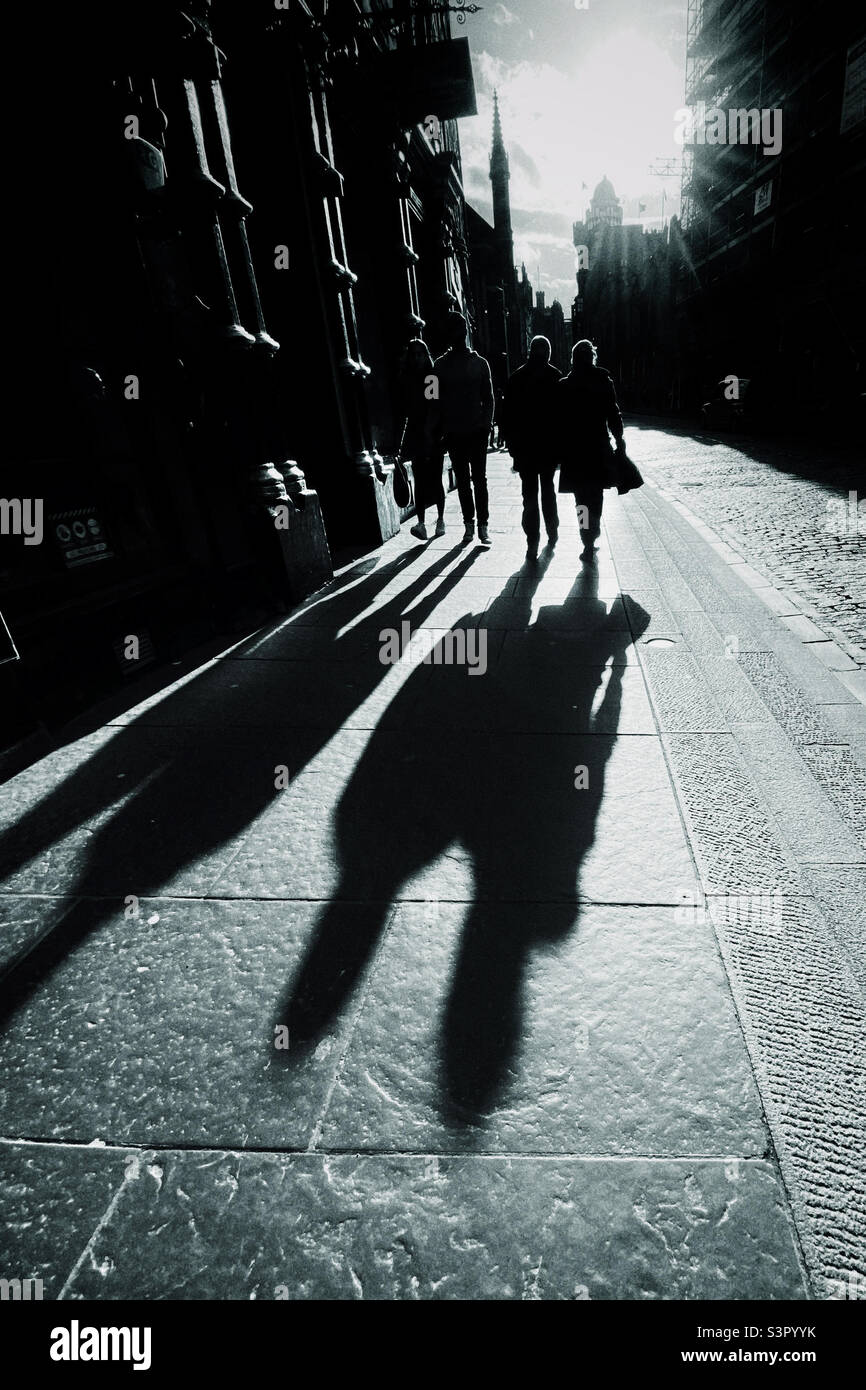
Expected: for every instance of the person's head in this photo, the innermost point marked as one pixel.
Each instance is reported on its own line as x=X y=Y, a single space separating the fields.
x=583 y=354
x=418 y=356
x=456 y=329
x=539 y=350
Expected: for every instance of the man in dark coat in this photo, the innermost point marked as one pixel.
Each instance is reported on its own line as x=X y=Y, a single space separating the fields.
x=587 y=410
x=466 y=413
x=529 y=412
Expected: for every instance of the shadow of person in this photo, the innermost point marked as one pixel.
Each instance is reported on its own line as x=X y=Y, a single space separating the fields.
x=159 y=803
x=481 y=772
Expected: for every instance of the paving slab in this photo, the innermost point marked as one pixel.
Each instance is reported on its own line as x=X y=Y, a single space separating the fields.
x=161 y=1029
x=594 y=1030
x=404 y=1228
x=52 y=1198
x=24 y=921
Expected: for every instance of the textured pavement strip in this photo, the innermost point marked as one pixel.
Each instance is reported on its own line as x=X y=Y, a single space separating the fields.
x=796 y=961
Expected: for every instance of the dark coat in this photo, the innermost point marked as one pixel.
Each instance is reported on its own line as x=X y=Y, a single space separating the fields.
x=529 y=410
x=420 y=441
x=587 y=410
x=419 y=434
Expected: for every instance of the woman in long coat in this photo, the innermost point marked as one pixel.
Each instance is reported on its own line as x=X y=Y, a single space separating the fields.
x=420 y=436
x=588 y=409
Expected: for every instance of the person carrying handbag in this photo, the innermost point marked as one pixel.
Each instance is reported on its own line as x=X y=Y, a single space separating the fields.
x=588 y=415
x=420 y=442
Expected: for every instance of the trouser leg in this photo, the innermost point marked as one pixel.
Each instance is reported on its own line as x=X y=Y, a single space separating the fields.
x=478 y=463
x=548 y=500
x=459 y=453
x=592 y=499
x=529 y=487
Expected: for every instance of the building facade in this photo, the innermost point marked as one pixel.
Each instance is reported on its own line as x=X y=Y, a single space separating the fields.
x=625 y=300
x=550 y=322
x=771 y=285
x=252 y=210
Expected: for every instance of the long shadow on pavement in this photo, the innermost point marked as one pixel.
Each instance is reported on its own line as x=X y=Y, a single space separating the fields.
x=189 y=775
x=479 y=771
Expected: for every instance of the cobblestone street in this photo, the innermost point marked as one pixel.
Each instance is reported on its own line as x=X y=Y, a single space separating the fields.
x=330 y=978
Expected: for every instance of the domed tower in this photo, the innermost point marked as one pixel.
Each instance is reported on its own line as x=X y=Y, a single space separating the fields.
x=604 y=207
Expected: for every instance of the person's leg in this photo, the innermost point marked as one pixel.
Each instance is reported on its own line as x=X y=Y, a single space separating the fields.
x=459 y=452
x=589 y=503
x=530 y=519
x=478 y=463
x=595 y=499
x=437 y=494
x=419 y=530
x=440 y=500
x=437 y=490
x=546 y=478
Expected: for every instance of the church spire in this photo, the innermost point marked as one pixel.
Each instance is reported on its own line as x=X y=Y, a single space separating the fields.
x=498 y=157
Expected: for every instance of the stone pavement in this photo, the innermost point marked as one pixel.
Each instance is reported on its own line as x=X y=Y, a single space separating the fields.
x=795 y=507
x=542 y=979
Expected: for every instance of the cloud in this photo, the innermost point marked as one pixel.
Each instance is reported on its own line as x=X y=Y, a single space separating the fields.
x=517 y=155
x=502 y=15
x=608 y=108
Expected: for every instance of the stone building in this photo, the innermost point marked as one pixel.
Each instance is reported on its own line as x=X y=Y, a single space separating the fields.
x=625 y=303
x=550 y=322
x=771 y=285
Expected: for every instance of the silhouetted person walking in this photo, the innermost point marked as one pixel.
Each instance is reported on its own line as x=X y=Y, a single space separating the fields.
x=587 y=410
x=530 y=424
x=466 y=414
x=420 y=436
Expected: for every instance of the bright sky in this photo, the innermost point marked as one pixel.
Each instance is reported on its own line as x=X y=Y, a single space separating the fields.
x=582 y=93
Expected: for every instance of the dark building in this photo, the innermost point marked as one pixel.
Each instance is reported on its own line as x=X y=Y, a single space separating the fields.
x=551 y=324
x=771 y=286
x=625 y=300
x=218 y=266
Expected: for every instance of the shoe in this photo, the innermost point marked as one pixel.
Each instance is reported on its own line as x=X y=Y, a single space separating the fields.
x=552 y=538
x=440 y=527
x=469 y=533
x=484 y=535
x=418 y=530
x=587 y=555
x=531 y=554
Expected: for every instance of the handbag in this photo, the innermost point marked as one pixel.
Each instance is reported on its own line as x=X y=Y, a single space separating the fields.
x=402 y=486
x=627 y=473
